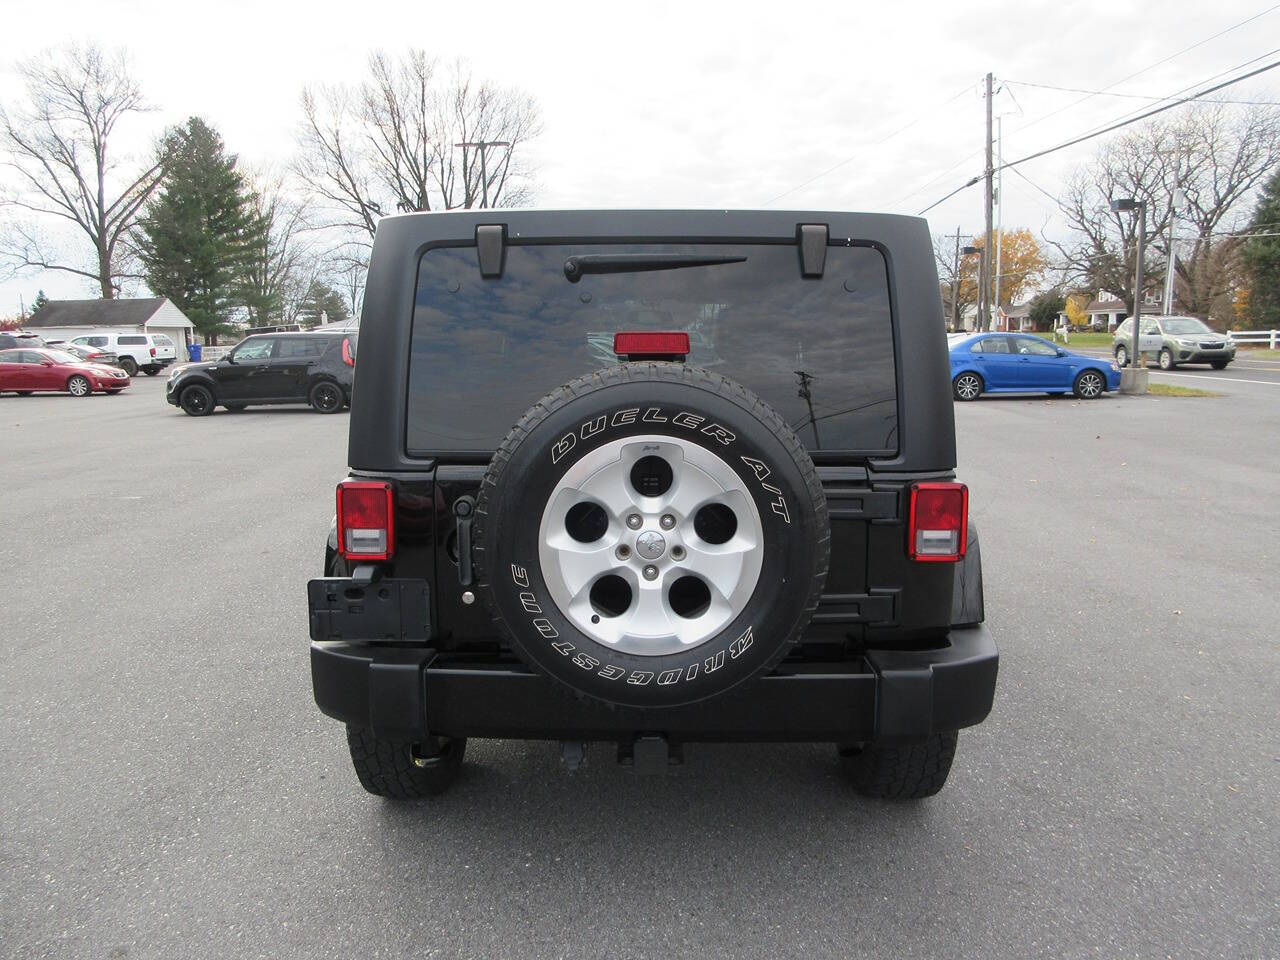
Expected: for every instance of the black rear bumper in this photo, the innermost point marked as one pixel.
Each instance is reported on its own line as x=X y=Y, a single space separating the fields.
x=405 y=693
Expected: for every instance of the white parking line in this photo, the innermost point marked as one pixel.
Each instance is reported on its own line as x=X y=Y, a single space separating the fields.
x=1217 y=379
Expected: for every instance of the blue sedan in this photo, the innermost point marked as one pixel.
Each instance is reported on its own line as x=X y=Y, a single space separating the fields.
x=1020 y=363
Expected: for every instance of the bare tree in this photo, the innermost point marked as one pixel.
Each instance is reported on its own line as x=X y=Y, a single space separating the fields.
x=284 y=262
x=59 y=150
x=391 y=143
x=1217 y=156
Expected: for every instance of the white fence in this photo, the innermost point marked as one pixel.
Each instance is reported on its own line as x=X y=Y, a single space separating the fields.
x=1269 y=337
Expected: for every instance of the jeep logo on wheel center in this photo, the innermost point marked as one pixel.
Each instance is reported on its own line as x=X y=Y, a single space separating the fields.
x=651 y=545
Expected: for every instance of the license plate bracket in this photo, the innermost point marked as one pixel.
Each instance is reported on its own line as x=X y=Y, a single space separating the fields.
x=384 y=611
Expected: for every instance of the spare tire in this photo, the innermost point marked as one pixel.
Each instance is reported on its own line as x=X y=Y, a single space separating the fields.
x=651 y=535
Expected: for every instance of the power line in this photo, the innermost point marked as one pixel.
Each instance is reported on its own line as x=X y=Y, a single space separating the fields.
x=1019 y=173
x=1135 y=96
x=1190 y=86
x=885 y=139
x=1172 y=56
x=1120 y=123
x=963 y=186
x=1141 y=116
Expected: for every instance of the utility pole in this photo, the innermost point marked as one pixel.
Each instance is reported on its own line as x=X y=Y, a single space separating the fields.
x=999 y=197
x=986 y=259
x=807 y=396
x=482 y=146
x=955 y=284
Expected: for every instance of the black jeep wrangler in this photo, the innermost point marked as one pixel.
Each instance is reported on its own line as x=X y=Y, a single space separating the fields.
x=652 y=478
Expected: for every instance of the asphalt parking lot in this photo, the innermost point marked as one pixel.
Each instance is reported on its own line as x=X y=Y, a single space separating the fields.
x=170 y=790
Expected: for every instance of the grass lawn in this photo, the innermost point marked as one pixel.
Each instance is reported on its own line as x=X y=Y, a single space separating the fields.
x=1102 y=340
x=1173 y=390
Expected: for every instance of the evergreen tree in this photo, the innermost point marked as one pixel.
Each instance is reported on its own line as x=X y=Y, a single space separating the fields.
x=199 y=230
x=1262 y=257
x=323 y=304
x=37 y=303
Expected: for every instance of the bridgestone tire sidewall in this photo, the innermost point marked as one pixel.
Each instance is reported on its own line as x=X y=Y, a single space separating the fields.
x=653 y=399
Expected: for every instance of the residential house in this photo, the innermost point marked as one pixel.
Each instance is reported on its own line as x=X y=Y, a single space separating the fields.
x=68 y=319
x=1014 y=317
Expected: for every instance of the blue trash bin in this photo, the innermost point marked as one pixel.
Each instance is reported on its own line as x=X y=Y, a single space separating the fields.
x=194 y=350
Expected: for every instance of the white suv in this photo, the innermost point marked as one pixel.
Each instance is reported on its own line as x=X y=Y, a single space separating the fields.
x=148 y=352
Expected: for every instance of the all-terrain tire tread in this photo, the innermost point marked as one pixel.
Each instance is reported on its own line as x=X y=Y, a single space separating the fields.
x=907 y=772
x=386 y=768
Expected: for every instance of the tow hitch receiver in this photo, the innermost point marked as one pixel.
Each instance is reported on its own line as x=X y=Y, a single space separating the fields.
x=651 y=755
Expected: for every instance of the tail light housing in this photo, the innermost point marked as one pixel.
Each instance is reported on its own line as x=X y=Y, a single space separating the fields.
x=153 y=351
x=938 y=522
x=347 y=357
x=366 y=520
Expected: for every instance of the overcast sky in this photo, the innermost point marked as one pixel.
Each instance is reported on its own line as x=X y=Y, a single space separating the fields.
x=687 y=104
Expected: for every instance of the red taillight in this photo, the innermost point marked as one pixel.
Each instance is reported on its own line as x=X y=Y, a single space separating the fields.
x=347 y=358
x=366 y=520
x=153 y=351
x=937 y=528
x=644 y=345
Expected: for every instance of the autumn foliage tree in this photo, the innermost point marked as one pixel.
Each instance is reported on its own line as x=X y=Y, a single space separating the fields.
x=1023 y=265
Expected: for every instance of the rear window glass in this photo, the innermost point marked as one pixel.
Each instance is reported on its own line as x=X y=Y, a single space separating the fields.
x=820 y=351
x=162 y=340
x=131 y=341
x=300 y=347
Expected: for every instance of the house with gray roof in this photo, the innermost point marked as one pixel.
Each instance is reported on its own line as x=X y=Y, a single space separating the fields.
x=66 y=319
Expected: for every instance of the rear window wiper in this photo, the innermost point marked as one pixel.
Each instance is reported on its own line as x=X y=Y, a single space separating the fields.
x=575 y=268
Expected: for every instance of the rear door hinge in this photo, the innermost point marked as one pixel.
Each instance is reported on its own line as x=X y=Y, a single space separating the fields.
x=812 y=241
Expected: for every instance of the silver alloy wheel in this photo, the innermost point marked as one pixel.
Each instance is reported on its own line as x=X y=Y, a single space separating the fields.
x=968 y=386
x=640 y=616
x=1122 y=357
x=1166 y=359
x=1090 y=385
x=78 y=386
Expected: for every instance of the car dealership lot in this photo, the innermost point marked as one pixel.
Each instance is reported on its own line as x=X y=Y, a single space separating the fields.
x=170 y=790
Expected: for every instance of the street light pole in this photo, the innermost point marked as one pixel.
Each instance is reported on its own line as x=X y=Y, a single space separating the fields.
x=1139 y=209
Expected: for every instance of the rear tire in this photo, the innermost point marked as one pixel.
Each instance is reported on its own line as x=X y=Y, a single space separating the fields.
x=400 y=770
x=967 y=386
x=79 y=386
x=908 y=772
x=1122 y=356
x=1165 y=360
x=326 y=397
x=196 y=401
x=129 y=366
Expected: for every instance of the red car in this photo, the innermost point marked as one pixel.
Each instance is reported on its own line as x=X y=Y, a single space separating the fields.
x=48 y=370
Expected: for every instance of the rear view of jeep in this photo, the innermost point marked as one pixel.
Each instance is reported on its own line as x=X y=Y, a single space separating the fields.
x=644 y=479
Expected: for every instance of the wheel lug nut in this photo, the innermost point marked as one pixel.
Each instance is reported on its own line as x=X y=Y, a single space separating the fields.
x=634 y=521
x=668 y=521
x=623 y=551
x=650 y=572
x=677 y=553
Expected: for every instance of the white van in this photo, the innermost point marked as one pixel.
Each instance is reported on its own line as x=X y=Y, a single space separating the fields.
x=148 y=352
